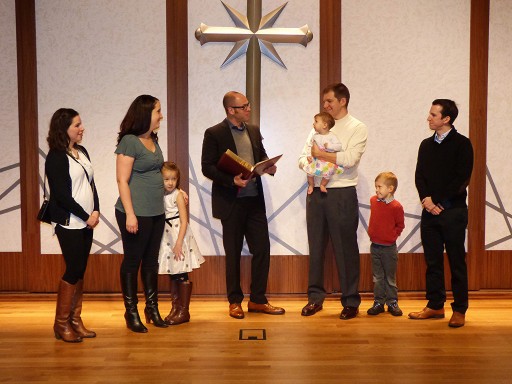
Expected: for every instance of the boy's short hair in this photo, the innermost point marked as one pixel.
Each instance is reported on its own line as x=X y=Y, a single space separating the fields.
x=389 y=178
x=326 y=118
x=172 y=166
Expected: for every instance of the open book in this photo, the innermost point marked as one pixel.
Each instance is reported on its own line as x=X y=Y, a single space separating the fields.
x=231 y=163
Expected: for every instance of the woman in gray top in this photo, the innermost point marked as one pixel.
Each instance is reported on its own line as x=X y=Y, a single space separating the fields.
x=140 y=207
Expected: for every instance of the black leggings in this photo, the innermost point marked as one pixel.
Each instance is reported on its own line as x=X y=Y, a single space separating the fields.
x=76 y=246
x=143 y=246
x=179 y=277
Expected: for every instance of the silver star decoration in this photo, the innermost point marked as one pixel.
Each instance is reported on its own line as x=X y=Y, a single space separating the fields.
x=242 y=33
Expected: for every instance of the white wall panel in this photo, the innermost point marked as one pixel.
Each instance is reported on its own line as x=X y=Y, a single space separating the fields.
x=498 y=228
x=10 y=214
x=397 y=57
x=96 y=56
x=289 y=100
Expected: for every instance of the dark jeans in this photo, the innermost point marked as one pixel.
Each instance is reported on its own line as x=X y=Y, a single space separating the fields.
x=76 y=246
x=247 y=219
x=447 y=230
x=334 y=214
x=143 y=246
x=384 y=263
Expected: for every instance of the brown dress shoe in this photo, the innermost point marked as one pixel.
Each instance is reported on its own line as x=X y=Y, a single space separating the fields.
x=457 y=320
x=349 y=313
x=427 y=313
x=311 y=309
x=236 y=311
x=265 y=308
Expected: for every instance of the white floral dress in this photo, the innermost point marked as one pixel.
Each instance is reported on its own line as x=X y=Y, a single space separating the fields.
x=192 y=256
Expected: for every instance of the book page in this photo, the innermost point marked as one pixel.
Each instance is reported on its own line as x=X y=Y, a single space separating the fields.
x=260 y=167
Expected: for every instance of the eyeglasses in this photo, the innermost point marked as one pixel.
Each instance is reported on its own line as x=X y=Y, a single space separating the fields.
x=244 y=107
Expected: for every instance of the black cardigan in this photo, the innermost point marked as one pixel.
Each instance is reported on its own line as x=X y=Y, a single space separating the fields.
x=61 y=203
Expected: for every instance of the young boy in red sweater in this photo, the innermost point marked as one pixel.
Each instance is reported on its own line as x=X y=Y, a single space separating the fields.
x=386 y=224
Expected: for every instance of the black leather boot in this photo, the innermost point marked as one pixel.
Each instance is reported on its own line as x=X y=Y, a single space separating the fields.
x=150 y=282
x=129 y=287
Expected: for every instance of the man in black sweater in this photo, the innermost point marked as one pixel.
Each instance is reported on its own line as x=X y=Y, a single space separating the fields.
x=443 y=170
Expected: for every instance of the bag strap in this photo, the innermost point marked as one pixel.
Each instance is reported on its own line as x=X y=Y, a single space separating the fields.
x=86 y=174
x=44 y=186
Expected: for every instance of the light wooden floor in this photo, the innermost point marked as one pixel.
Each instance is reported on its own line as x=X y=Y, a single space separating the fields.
x=318 y=349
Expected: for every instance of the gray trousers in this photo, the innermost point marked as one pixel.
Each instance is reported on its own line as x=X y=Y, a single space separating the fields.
x=336 y=215
x=384 y=263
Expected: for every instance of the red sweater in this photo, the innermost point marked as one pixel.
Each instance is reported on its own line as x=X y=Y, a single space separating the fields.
x=386 y=221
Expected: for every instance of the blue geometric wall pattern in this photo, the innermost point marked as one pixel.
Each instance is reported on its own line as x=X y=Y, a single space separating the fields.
x=204 y=220
x=215 y=236
x=497 y=214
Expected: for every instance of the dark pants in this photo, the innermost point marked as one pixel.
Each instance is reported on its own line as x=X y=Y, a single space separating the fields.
x=447 y=230
x=334 y=214
x=247 y=219
x=76 y=246
x=143 y=246
x=384 y=263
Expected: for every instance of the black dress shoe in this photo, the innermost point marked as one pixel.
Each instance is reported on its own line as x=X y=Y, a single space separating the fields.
x=349 y=313
x=311 y=309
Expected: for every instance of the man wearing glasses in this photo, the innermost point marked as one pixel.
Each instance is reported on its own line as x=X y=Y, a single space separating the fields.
x=239 y=203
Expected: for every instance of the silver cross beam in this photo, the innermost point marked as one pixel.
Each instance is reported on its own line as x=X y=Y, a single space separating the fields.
x=246 y=32
x=241 y=34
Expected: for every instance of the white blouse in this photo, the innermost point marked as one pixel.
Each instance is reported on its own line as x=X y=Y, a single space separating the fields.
x=81 y=189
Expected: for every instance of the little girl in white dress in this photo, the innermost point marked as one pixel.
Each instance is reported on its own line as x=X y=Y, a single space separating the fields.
x=179 y=253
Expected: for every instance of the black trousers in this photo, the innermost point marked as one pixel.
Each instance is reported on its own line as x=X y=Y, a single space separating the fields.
x=336 y=215
x=447 y=230
x=75 y=245
x=143 y=246
x=247 y=219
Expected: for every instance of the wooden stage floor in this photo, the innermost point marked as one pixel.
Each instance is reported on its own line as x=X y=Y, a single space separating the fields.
x=317 y=349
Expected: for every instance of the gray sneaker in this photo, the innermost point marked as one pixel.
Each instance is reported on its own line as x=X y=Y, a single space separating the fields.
x=394 y=309
x=376 y=309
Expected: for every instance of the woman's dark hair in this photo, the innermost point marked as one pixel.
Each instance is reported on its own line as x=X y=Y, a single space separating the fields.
x=138 y=118
x=58 y=138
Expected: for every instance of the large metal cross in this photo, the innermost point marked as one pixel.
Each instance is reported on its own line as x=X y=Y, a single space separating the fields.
x=253 y=35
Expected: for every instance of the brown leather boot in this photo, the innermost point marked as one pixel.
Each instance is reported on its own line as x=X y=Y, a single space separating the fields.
x=62 y=326
x=183 y=314
x=76 y=310
x=175 y=300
